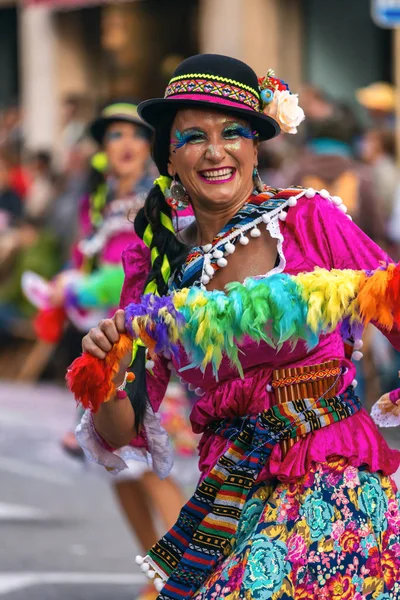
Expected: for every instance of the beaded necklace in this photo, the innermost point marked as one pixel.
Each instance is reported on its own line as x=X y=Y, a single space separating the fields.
x=203 y=262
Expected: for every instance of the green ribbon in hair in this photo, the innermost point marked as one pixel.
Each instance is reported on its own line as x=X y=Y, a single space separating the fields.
x=163 y=182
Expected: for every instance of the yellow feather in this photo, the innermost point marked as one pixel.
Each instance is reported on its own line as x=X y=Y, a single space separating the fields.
x=180 y=298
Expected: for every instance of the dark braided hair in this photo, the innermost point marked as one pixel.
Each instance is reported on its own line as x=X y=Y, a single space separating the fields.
x=158 y=215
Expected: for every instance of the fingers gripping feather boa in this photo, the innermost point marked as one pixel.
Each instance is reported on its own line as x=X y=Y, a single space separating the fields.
x=276 y=309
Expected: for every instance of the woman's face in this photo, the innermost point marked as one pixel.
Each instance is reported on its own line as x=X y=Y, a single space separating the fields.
x=214 y=156
x=127 y=148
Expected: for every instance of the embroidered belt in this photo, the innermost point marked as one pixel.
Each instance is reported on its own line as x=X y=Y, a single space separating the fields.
x=312 y=381
x=207 y=524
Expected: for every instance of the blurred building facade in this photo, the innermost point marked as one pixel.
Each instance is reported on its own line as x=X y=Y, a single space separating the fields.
x=54 y=49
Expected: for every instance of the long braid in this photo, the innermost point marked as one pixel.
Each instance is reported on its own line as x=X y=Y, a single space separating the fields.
x=153 y=224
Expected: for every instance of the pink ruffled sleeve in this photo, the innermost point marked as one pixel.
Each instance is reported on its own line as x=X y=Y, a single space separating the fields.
x=334 y=241
x=152 y=445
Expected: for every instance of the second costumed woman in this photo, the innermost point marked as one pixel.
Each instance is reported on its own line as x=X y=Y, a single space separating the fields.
x=261 y=305
x=121 y=176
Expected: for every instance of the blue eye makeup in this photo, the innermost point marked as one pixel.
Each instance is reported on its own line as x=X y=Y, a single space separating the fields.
x=192 y=136
x=113 y=135
x=235 y=130
x=196 y=136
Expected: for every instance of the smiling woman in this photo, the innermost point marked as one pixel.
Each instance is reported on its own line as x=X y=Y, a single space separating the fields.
x=259 y=305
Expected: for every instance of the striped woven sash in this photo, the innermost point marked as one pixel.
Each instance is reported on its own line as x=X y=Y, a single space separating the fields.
x=207 y=524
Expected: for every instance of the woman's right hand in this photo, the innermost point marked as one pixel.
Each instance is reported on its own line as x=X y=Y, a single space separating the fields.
x=100 y=340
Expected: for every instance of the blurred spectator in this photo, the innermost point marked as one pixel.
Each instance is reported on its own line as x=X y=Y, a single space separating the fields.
x=11 y=136
x=64 y=211
x=271 y=157
x=378 y=150
x=379 y=100
x=42 y=190
x=394 y=223
x=328 y=162
x=316 y=104
x=73 y=127
x=31 y=249
x=19 y=175
x=10 y=203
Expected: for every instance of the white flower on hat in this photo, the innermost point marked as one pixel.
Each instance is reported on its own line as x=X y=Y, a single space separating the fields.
x=285 y=109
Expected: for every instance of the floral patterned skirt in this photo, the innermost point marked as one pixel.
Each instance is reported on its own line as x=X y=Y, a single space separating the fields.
x=332 y=535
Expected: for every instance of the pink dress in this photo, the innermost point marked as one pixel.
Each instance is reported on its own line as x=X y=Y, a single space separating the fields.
x=316 y=233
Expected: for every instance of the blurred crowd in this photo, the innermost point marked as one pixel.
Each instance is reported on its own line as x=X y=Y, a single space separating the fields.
x=348 y=150
x=40 y=193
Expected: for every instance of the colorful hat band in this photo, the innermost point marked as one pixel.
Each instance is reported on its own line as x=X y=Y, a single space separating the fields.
x=200 y=87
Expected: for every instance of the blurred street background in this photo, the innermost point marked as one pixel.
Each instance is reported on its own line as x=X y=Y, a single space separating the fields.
x=62 y=533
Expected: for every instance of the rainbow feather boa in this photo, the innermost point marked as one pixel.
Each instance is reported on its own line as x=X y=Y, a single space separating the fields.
x=276 y=309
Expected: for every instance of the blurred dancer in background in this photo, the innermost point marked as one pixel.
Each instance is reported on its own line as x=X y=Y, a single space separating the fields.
x=121 y=175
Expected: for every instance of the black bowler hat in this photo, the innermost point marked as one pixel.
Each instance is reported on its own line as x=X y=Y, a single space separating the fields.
x=213 y=81
x=115 y=112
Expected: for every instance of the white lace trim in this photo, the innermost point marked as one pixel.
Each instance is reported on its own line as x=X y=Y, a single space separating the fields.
x=159 y=458
x=274 y=230
x=387 y=419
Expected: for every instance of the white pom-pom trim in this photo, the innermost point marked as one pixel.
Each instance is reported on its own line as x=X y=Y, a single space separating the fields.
x=354 y=383
x=159 y=584
x=266 y=218
x=357 y=355
x=292 y=201
x=139 y=560
x=255 y=233
x=337 y=200
x=229 y=248
x=207 y=247
x=144 y=567
x=282 y=216
x=310 y=193
x=244 y=240
x=343 y=208
x=325 y=194
x=199 y=391
x=218 y=254
x=209 y=270
x=222 y=262
x=358 y=344
x=205 y=279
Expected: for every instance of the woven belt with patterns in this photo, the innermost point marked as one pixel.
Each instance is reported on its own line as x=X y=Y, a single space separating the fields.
x=312 y=381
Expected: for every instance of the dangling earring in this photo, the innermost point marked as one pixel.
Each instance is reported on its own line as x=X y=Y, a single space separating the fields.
x=258 y=183
x=176 y=197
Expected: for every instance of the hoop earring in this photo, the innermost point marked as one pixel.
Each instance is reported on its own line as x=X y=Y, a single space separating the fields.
x=258 y=182
x=176 y=197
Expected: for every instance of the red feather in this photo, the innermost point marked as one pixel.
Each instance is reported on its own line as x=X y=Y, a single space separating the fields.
x=91 y=379
x=49 y=324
